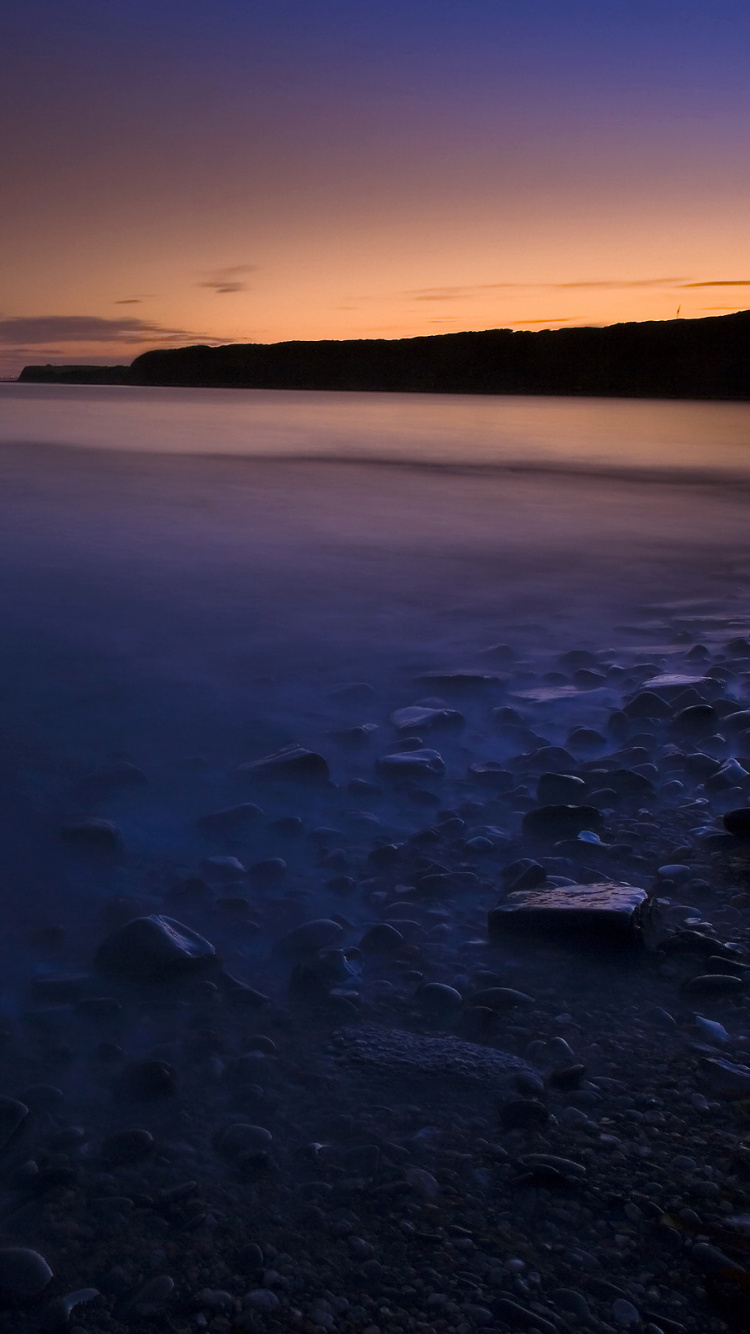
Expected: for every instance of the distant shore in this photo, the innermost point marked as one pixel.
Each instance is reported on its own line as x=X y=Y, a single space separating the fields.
x=679 y=359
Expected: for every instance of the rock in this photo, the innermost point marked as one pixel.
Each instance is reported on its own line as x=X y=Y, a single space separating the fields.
x=737 y=822
x=646 y=705
x=520 y=1317
x=262 y=1299
x=128 y=1146
x=553 y=789
x=500 y=998
x=711 y=984
x=381 y=939
x=23 y=1273
x=622 y=914
x=249 y=1259
x=148 y=1081
x=154 y=949
x=218 y=824
x=321 y=933
x=93 y=835
x=222 y=870
x=695 y=720
x=57 y=1314
x=725 y=1076
x=489 y=773
x=674 y=871
x=271 y=871
x=411 y=764
x=730 y=774
x=292 y=762
x=438 y=999
x=460 y=681
x=415 y=717
x=625 y=1313
x=12 y=1116
x=398 y=1054
x=523 y=1114
x=41 y=1098
x=559 y=822
x=240 y=1140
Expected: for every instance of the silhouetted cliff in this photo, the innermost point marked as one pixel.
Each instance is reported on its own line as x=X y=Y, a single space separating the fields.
x=75 y=374
x=706 y=358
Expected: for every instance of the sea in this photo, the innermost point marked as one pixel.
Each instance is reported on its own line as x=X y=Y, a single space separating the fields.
x=187 y=574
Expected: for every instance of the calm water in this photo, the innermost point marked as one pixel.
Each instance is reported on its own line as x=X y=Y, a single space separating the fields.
x=189 y=572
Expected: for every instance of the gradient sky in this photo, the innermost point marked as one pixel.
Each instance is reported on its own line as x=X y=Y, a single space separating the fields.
x=177 y=171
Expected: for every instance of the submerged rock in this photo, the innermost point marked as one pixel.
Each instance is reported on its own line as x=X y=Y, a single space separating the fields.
x=217 y=824
x=417 y=716
x=411 y=764
x=293 y=762
x=621 y=913
x=154 y=949
x=93 y=835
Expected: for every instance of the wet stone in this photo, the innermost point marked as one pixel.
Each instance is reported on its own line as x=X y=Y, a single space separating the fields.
x=128 y=1146
x=93 y=835
x=556 y=822
x=603 y=911
x=321 y=933
x=220 y=824
x=154 y=949
x=411 y=764
x=291 y=762
x=23 y=1273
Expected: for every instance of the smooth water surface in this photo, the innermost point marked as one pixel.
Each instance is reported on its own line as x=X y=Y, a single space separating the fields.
x=188 y=573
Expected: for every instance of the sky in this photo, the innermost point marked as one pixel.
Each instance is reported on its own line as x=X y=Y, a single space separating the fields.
x=181 y=171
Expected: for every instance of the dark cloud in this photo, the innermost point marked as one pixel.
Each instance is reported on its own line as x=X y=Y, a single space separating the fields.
x=129 y=301
x=722 y=282
x=228 y=280
x=44 y=330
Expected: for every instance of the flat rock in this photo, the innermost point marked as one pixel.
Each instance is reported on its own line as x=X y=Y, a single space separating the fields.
x=621 y=913
x=292 y=762
x=154 y=949
x=397 y=1053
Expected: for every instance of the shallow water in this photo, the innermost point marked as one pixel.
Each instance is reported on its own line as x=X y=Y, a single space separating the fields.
x=189 y=572
x=187 y=577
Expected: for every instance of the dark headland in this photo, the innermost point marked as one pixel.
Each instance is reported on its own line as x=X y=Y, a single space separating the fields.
x=703 y=358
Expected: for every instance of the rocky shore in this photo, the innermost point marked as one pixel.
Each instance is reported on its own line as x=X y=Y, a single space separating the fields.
x=443 y=1025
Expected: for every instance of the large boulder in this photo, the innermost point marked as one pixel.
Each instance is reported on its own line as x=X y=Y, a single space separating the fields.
x=154 y=949
x=622 y=914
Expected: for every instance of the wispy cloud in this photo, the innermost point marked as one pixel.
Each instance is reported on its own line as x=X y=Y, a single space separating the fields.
x=605 y=284
x=228 y=280
x=722 y=282
x=129 y=301
x=553 y=319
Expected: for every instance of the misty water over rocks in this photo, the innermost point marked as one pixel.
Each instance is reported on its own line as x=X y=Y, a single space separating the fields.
x=375 y=868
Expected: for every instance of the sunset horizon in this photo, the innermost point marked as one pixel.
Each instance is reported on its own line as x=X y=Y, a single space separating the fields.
x=289 y=172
